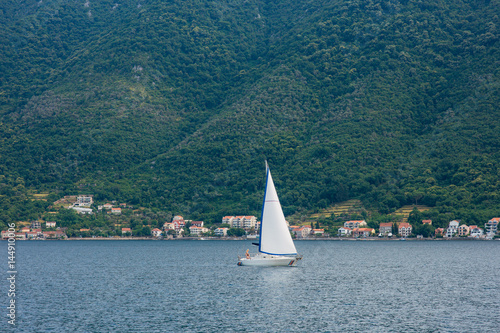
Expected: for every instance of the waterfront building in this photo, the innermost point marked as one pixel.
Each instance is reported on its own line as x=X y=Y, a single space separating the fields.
x=58 y=234
x=475 y=231
x=363 y=232
x=168 y=226
x=344 y=232
x=32 y=235
x=463 y=230
x=385 y=228
x=452 y=229
x=197 y=224
x=221 y=232
x=197 y=231
x=156 y=232
x=318 y=232
x=302 y=232
x=243 y=222
x=20 y=235
x=227 y=219
x=491 y=227
x=404 y=229
x=179 y=223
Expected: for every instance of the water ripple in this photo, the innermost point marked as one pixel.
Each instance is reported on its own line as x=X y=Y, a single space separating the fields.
x=195 y=286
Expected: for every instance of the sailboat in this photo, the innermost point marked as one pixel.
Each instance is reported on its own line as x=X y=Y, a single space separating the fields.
x=276 y=247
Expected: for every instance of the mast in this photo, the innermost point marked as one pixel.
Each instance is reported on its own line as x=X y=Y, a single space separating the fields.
x=263 y=205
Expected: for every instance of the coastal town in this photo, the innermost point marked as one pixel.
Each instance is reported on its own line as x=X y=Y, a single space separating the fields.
x=179 y=228
x=232 y=227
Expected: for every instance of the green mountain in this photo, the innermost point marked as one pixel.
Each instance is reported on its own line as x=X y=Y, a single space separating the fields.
x=175 y=105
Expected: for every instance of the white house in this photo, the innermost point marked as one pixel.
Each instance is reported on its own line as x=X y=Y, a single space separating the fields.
x=178 y=224
x=197 y=231
x=452 y=229
x=404 y=229
x=126 y=230
x=168 y=226
x=343 y=232
x=221 y=232
x=238 y=222
x=385 y=228
x=84 y=201
x=156 y=232
x=491 y=227
x=475 y=231
x=249 y=222
x=244 y=222
x=50 y=224
x=354 y=224
x=227 y=220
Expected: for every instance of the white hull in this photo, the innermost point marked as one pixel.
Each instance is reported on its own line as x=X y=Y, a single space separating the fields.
x=269 y=260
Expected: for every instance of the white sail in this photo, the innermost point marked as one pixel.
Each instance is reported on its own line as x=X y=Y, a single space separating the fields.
x=275 y=238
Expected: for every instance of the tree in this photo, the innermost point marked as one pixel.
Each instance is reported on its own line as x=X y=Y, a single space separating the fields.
x=236 y=232
x=415 y=217
x=187 y=231
x=146 y=231
x=426 y=230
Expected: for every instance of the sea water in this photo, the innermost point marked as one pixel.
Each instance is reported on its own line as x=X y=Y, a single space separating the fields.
x=196 y=286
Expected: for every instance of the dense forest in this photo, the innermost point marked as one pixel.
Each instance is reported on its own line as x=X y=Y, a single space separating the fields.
x=175 y=105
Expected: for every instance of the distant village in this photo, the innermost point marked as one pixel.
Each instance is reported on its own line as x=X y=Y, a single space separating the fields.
x=240 y=227
x=357 y=229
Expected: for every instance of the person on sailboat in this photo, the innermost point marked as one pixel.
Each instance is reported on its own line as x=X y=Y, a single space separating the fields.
x=247 y=255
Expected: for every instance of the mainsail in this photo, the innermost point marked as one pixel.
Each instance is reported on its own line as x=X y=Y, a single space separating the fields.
x=274 y=235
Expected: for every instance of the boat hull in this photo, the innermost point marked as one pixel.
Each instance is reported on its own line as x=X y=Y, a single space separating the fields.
x=270 y=260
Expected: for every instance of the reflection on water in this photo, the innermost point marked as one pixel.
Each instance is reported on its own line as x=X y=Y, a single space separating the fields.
x=196 y=286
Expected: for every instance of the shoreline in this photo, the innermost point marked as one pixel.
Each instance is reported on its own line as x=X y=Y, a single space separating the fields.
x=373 y=239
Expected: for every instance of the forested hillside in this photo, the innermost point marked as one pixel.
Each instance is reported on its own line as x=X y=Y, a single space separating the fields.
x=175 y=105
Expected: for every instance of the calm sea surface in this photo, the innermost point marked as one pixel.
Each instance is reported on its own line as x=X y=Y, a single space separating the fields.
x=196 y=286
